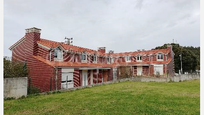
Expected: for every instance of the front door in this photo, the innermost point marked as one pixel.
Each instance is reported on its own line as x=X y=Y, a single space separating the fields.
x=84 y=78
x=139 y=70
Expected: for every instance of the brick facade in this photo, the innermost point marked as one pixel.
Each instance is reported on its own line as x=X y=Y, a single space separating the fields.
x=46 y=73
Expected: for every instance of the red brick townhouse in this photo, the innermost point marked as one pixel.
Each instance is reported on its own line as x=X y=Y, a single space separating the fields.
x=57 y=65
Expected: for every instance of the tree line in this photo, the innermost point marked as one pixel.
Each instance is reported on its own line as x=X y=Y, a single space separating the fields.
x=190 y=57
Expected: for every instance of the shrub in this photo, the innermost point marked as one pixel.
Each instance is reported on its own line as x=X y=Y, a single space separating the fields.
x=33 y=90
x=157 y=74
x=14 y=69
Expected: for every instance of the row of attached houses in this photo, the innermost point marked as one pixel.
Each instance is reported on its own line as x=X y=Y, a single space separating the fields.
x=56 y=65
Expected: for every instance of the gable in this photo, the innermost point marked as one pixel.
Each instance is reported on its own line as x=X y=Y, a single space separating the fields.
x=17 y=43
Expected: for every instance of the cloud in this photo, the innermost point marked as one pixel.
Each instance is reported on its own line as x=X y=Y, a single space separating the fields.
x=116 y=24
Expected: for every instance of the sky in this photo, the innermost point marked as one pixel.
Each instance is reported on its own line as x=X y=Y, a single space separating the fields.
x=118 y=25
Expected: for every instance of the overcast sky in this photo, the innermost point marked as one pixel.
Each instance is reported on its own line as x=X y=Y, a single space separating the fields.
x=119 y=25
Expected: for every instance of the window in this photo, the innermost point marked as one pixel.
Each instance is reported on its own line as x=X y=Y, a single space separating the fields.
x=94 y=58
x=128 y=59
x=58 y=54
x=83 y=57
x=139 y=58
x=160 y=56
x=108 y=60
x=112 y=60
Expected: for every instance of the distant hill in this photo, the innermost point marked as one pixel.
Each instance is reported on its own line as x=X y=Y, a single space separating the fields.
x=190 y=57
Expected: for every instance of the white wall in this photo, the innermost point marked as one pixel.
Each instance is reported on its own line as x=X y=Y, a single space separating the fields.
x=15 y=87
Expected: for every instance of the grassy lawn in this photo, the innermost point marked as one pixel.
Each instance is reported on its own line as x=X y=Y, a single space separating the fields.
x=114 y=99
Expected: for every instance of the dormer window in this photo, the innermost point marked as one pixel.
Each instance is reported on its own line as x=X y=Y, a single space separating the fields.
x=83 y=57
x=160 y=57
x=139 y=58
x=58 y=54
x=128 y=58
x=112 y=60
x=94 y=58
x=108 y=60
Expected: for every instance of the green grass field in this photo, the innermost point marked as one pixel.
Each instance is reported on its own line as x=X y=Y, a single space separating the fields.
x=115 y=99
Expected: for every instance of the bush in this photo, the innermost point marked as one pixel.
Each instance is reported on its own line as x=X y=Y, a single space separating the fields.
x=14 y=69
x=33 y=90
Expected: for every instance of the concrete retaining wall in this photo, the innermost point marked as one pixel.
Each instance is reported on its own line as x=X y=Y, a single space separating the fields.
x=143 y=79
x=163 y=79
x=15 y=87
x=184 y=77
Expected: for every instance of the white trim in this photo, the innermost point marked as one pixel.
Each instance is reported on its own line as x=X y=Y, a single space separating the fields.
x=17 y=43
x=126 y=57
x=140 y=56
x=62 y=53
x=42 y=46
x=157 y=64
x=108 y=59
x=93 y=68
x=160 y=59
x=96 y=58
x=67 y=70
x=84 y=61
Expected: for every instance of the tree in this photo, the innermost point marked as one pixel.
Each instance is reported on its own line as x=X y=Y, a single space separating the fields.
x=190 y=57
x=14 y=69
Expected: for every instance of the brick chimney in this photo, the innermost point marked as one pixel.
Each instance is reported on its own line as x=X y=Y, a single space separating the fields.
x=31 y=37
x=102 y=49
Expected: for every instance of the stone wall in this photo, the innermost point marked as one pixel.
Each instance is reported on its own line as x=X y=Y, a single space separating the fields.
x=15 y=87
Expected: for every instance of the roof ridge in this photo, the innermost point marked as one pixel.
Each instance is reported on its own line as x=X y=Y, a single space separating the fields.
x=70 y=45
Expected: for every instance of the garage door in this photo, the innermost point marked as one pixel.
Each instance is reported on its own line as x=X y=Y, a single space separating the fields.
x=158 y=69
x=67 y=79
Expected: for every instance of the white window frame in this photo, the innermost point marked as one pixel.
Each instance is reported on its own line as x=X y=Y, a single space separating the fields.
x=112 y=60
x=108 y=60
x=128 y=58
x=140 y=58
x=160 y=57
x=84 y=54
x=59 y=52
x=94 y=58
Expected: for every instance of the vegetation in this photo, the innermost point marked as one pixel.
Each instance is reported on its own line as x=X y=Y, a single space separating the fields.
x=190 y=57
x=33 y=90
x=14 y=69
x=115 y=99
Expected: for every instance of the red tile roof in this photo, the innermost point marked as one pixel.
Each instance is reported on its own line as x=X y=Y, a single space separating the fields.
x=146 y=52
x=70 y=64
x=53 y=44
x=78 y=64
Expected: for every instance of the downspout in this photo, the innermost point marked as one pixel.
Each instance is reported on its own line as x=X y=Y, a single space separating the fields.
x=97 y=74
x=50 y=54
x=56 y=72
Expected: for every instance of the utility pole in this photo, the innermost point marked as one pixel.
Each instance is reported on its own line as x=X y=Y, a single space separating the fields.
x=181 y=63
